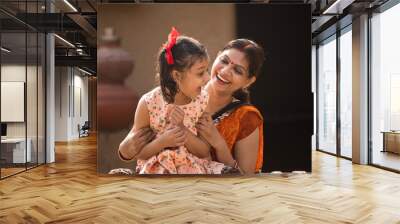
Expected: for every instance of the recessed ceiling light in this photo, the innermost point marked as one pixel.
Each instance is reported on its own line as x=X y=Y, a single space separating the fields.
x=64 y=40
x=5 y=49
x=84 y=71
x=70 y=5
x=337 y=7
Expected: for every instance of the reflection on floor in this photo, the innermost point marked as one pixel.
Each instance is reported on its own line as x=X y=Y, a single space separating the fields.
x=346 y=152
x=387 y=159
x=11 y=169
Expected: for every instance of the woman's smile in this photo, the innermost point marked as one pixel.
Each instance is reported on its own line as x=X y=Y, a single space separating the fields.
x=222 y=80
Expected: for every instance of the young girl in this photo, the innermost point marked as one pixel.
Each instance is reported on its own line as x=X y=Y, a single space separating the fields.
x=172 y=110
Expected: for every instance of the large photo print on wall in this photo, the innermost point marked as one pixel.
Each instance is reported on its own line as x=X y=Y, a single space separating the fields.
x=204 y=89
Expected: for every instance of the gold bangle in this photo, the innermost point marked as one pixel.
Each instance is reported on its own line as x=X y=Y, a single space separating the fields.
x=235 y=164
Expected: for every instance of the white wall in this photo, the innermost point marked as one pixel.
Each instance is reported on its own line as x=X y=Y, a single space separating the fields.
x=61 y=103
x=81 y=82
x=71 y=93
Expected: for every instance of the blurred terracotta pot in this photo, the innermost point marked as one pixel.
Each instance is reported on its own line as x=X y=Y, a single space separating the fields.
x=113 y=64
x=116 y=105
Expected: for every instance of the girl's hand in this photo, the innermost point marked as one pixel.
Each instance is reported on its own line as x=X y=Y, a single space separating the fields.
x=207 y=130
x=176 y=116
x=173 y=137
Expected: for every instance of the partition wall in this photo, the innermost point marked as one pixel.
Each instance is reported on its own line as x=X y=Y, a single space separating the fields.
x=23 y=87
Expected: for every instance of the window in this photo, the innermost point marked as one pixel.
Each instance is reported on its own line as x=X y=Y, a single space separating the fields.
x=346 y=93
x=385 y=87
x=23 y=76
x=327 y=95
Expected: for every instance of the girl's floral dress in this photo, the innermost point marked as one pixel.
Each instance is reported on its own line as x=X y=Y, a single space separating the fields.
x=178 y=160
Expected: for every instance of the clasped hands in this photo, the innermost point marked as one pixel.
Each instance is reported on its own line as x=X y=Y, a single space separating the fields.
x=175 y=134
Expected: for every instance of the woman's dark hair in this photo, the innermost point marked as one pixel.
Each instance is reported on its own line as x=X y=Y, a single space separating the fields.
x=255 y=56
x=185 y=53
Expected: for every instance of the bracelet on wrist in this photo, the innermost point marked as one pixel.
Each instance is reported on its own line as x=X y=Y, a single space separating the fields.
x=235 y=164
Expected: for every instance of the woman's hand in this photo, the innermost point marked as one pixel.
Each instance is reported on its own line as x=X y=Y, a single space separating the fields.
x=207 y=130
x=135 y=141
x=176 y=116
x=173 y=137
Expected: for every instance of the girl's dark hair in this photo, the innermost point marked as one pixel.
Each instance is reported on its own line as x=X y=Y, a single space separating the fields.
x=255 y=57
x=185 y=52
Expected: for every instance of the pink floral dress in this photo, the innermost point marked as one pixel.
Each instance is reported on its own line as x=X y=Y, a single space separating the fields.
x=179 y=160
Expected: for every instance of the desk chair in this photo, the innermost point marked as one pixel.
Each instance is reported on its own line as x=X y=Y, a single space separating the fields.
x=84 y=130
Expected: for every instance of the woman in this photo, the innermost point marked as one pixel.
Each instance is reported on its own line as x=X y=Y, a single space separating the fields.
x=236 y=132
x=237 y=137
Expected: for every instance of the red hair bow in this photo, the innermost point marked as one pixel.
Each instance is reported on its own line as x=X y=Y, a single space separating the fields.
x=173 y=35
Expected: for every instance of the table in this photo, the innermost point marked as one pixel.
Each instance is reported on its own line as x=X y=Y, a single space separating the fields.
x=391 y=141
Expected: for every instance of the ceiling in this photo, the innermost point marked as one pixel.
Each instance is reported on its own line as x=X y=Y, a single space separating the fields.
x=72 y=20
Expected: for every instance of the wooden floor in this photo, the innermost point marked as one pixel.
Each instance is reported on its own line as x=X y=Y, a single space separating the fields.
x=70 y=191
x=5 y=172
x=10 y=171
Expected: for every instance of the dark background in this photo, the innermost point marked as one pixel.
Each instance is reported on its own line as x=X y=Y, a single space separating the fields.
x=283 y=90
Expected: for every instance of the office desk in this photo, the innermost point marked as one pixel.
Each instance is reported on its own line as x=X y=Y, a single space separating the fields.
x=13 y=150
x=391 y=141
